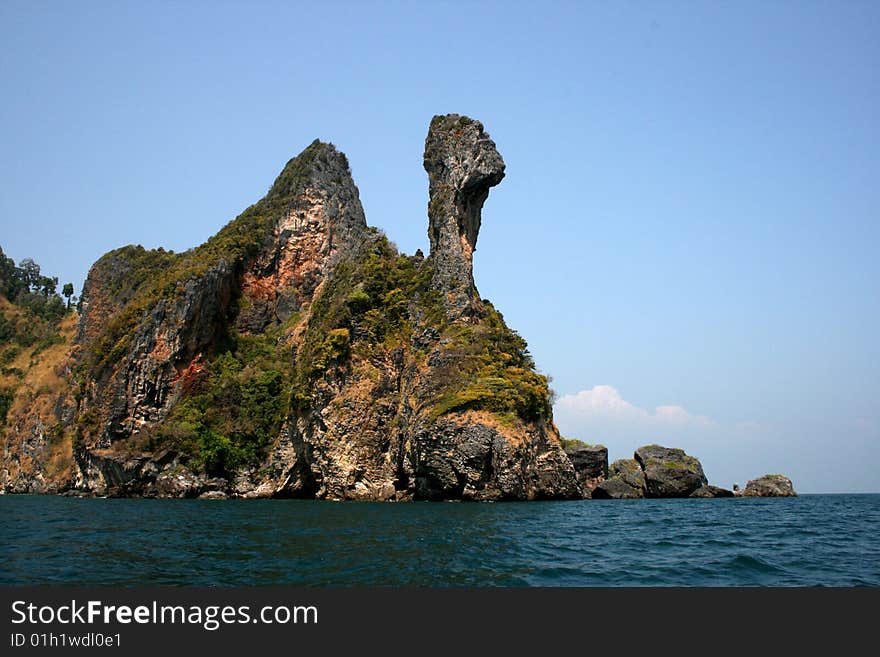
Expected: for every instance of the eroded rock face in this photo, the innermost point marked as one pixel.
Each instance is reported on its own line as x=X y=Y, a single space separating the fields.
x=771 y=485
x=171 y=340
x=616 y=489
x=591 y=465
x=472 y=458
x=322 y=223
x=630 y=472
x=319 y=221
x=669 y=472
x=462 y=164
x=626 y=480
x=711 y=492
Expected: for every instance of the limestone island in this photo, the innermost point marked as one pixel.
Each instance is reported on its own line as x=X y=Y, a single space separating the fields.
x=298 y=354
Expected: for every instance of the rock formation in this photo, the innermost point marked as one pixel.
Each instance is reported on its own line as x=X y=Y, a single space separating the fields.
x=296 y=353
x=669 y=472
x=462 y=164
x=711 y=492
x=770 y=485
x=656 y=471
x=590 y=463
x=626 y=480
x=320 y=218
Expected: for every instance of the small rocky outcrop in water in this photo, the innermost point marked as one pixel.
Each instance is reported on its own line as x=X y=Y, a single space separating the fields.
x=770 y=485
x=669 y=472
x=711 y=491
x=590 y=463
x=626 y=480
x=658 y=471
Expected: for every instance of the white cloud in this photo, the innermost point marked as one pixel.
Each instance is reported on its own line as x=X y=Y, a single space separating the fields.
x=678 y=415
x=604 y=402
x=599 y=400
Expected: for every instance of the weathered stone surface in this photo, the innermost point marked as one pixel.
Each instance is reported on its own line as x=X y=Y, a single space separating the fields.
x=629 y=471
x=669 y=472
x=172 y=339
x=711 y=491
x=322 y=223
x=178 y=482
x=770 y=485
x=469 y=457
x=616 y=489
x=591 y=465
x=106 y=473
x=462 y=164
x=626 y=480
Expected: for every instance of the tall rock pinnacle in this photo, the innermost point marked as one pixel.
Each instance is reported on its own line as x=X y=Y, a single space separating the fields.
x=462 y=164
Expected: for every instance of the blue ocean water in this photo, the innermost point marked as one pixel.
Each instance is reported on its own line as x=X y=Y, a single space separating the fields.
x=827 y=540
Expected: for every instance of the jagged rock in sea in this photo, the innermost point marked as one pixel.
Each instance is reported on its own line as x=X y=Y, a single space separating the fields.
x=655 y=472
x=296 y=353
x=770 y=485
x=626 y=480
x=616 y=489
x=590 y=463
x=669 y=472
x=711 y=492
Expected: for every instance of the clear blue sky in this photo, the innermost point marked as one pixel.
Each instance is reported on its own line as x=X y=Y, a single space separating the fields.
x=689 y=219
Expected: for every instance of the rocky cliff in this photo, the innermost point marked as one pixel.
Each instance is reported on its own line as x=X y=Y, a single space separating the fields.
x=297 y=353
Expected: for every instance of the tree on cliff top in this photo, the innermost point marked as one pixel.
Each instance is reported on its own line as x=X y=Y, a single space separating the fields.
x=25 y=286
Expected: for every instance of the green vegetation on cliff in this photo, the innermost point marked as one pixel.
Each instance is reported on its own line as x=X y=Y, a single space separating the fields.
x=129 y=277
x=30 y=315
x=372 y=305
x=382 y=300
x=21 y=328
x=233 y=392
x=574 y=443
x=6 y=397
x=492 y=370
x=35 y=295
x=238 y=403
x=233 y=409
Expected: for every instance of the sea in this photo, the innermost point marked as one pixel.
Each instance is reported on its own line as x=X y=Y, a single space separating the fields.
x=811 y=540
